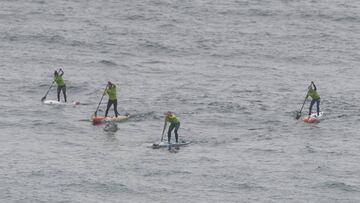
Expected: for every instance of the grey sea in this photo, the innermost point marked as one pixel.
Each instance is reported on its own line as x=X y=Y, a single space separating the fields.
x=235 y=72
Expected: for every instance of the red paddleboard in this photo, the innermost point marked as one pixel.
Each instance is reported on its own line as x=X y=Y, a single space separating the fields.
x=101 y=119
x=313 y=118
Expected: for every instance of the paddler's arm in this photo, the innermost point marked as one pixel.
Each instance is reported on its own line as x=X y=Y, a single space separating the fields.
x=62 y=72
x=313 y=85
x=108 y=86
x=310 y=86
x=106 y=90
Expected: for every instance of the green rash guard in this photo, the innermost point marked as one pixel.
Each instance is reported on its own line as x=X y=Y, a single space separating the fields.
x=313 y=94
x=172 y=119
x=59 y=80
x=111 y=91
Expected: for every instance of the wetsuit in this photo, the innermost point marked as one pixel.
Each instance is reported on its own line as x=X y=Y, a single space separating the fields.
x=61 y=85
x=315 y=98
x=174 y=124
x=111 y=91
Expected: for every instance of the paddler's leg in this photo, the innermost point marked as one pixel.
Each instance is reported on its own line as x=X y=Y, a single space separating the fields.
x=108 y=107
x=318 y=106
x=58 y=92
x=115 y=108
x=311 y=105
x=177 y=126
x=171 y=127
x=64 y=92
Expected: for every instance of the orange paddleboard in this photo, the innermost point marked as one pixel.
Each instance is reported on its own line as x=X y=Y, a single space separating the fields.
x=313 y=118
x=101 y=119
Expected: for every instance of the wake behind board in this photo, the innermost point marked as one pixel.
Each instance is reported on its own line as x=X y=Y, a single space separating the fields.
x=55 y=102
x=313 y=118
x=166 y=145
x=101 y=119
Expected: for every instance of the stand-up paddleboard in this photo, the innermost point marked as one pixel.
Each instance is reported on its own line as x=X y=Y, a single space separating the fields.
x=55 y=102
x=313 y=118
x=101 y=119
x=167 y=145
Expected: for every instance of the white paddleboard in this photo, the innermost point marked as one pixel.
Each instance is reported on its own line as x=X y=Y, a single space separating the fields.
x=55 y=102
x=166 y=144
x=52 y=102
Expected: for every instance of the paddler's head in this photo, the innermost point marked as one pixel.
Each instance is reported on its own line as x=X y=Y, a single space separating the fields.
x=168 y=113
x=110 y=83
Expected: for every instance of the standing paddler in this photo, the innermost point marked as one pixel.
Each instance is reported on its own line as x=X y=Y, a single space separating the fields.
x=111 y=91
x=174 y=124
x=312 y=92
x=58 y=78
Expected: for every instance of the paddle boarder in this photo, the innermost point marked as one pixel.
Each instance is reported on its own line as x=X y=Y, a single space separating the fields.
x=312 y=92
x=174 y=124
x=111 y=91
x=58 y=78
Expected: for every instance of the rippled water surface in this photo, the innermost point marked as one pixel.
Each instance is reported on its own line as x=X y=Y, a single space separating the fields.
x=235 y=72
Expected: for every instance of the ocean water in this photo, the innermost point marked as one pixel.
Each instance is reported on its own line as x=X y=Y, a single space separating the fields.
x=235 y=72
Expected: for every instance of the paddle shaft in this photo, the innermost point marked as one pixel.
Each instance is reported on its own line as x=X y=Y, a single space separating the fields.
x=42 y=99
x=100 y=100
x=299 y=113
x=162 y=137
x=306 y=96
x=303 y=104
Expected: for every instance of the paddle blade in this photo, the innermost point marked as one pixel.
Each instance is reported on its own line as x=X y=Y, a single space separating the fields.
x=42 y=99
x=298 y=115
